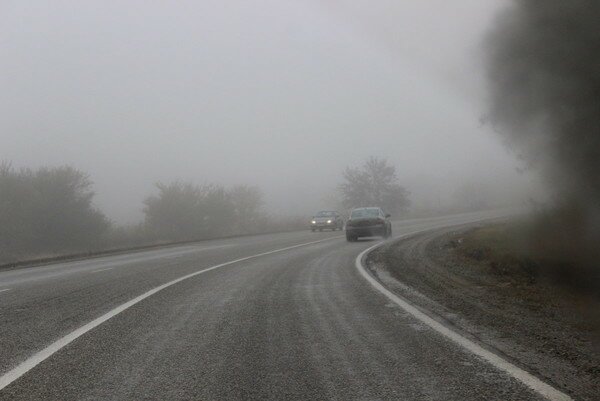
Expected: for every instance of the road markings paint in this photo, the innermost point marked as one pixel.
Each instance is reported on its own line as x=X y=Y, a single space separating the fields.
x=31 y=362
x=5 y=289
x=498 y=362
x=102 y=270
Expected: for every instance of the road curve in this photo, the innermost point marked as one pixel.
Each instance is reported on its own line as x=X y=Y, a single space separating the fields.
x=284 y=316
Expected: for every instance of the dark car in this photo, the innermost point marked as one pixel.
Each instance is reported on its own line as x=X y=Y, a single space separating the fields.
x=368 y=222
x=327 y=220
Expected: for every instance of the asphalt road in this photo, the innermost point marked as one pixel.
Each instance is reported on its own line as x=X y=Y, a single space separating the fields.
x=298 y=323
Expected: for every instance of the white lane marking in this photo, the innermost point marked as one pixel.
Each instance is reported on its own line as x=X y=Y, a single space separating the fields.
x=45 y=353
x=102 y=270
x=19 y=276
x=5 y=289
x=498 y=362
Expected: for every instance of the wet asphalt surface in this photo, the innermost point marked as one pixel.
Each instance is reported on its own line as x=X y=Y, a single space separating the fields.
x=297 y=324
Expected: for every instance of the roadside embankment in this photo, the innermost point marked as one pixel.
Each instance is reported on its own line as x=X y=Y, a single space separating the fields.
x=477 y=280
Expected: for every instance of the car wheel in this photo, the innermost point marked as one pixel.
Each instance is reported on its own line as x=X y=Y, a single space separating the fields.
x=312 y=229
x=388 y=232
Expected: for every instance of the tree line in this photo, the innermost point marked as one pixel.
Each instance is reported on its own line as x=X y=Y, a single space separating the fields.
x=50 y=211
x=183 y=210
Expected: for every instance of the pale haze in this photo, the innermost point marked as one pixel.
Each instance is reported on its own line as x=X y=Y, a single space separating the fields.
x=279 y=94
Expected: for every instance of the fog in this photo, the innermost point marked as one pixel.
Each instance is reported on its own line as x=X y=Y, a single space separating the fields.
x=281 y=95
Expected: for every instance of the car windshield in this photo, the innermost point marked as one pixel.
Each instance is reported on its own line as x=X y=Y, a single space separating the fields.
x=366 y=212
x=325 y=214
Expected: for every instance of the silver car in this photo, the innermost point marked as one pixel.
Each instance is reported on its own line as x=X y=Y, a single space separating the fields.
x=327 y=220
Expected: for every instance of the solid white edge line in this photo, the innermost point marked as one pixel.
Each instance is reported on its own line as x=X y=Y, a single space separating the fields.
x=31 y=362
x=500 y=363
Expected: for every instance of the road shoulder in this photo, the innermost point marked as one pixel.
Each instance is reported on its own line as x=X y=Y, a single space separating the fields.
x=538 y=328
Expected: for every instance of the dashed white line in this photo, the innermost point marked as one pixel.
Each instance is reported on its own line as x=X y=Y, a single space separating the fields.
x=31 y=362
x=5 y=289
x=102 y=270
x=498 y=362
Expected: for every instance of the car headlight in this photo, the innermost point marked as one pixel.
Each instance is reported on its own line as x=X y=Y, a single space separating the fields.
x=328 y=221
x=313 y=222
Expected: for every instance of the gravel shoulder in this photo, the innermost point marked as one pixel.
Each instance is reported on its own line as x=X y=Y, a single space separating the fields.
x=549 y=330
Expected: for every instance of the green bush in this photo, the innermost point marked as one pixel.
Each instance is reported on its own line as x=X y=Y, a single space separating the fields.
x=48 y=210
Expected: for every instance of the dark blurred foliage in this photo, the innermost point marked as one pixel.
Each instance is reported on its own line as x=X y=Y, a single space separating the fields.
x=544 y=75
x=48 y=210
x=566 y=245
x=374 y=184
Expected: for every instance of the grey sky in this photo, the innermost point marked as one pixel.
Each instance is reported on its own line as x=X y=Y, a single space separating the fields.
x=280 y=94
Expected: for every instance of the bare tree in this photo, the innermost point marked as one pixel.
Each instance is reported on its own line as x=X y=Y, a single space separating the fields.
x=374 y=184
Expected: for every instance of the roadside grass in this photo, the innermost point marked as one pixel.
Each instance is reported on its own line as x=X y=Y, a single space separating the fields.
x=532 y=250
x=538 y=265
x=501 y=247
